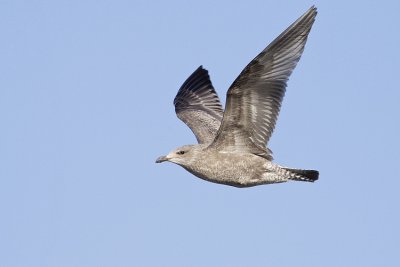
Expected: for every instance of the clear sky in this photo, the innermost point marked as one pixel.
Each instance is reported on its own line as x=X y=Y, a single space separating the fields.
x=86 y=91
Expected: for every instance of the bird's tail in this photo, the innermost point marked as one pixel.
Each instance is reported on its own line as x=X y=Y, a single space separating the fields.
x=303 y=175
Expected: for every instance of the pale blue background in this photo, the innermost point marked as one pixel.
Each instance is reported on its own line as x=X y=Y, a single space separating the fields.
x=86 y=91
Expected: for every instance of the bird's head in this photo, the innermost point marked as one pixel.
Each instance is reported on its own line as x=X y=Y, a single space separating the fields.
x=181 y=155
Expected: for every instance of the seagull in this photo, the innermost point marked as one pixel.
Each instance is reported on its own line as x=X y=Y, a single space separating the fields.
x=232 y=144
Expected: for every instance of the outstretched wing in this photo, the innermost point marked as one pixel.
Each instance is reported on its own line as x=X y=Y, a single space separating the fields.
x=198 y=106
x=254 y=99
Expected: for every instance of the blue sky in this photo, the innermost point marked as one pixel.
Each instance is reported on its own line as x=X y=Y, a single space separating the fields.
x=86 y=91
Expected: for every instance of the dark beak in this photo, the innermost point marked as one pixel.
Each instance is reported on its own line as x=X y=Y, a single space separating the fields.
x=161 y=159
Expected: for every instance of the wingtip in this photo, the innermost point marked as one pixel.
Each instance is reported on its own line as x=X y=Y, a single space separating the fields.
x=200 y=69
x=313 y=9
x=307 y=18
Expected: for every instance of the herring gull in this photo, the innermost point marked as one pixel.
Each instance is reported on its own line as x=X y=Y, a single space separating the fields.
x=232 y=144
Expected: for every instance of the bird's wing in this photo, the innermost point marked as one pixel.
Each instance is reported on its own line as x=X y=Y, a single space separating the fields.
x=254 y=99
x=198 y=106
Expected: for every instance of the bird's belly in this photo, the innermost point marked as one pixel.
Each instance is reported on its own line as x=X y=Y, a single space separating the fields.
x=240 y=170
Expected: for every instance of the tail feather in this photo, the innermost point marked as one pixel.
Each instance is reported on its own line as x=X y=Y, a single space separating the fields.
x=303 y=175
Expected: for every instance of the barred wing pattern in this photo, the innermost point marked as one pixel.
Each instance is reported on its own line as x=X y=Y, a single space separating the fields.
x=198 y=106
x=254 y=99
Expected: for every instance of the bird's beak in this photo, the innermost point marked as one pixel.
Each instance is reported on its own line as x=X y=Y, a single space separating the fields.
x=161 y=159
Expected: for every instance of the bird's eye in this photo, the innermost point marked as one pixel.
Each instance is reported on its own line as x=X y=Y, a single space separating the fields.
x=181 y=152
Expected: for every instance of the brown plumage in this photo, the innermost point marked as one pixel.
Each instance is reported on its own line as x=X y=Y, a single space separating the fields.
x=232 y=144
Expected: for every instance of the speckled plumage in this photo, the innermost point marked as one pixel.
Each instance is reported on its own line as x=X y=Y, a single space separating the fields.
x=232 y=144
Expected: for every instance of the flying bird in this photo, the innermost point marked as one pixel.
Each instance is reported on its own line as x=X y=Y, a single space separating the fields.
x=232 y=144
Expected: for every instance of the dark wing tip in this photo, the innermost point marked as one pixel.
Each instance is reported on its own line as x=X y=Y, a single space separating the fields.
x=198 y=93
x=308 y=17
x=312 y=12
x=197 y=81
